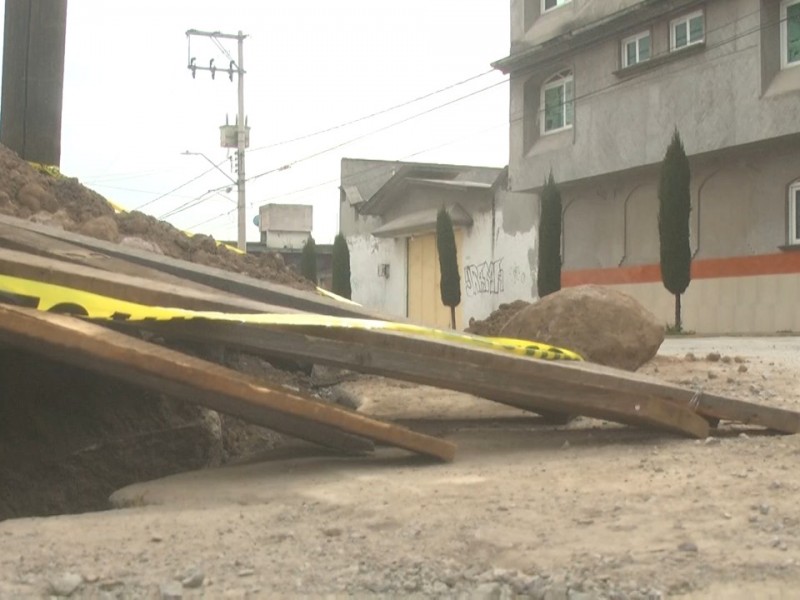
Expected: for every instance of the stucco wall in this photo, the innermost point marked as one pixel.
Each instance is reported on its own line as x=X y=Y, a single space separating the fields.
x=291 y=240
x=739 y=208
x=624 y=120
x=733 y=305
x=369 y=288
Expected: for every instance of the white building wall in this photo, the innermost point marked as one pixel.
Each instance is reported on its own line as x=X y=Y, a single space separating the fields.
x=369 y=288
x=289 y=240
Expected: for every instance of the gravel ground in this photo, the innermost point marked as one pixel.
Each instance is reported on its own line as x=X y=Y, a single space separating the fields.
x=583 y=512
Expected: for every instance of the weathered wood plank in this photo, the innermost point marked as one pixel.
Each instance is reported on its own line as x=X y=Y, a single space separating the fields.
x=579 y=373
x=22 y=240
x=126 y=287
x=516 y=389
x=97 y=348
x=241 y=285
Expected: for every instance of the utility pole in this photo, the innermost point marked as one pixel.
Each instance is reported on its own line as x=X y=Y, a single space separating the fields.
x=33 y=78
x=242 y=131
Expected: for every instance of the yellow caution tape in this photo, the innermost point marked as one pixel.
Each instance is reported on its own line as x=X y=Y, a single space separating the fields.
x=337 y=297
x=56 y=298
x=51 y=170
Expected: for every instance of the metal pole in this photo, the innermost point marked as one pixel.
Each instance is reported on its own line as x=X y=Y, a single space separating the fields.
x=240 y=184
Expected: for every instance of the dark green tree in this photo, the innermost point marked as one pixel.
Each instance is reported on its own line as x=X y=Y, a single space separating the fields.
x=340 y=264
x=308 y=260
x=674 y=206
x=450 y=283
x=548 y=279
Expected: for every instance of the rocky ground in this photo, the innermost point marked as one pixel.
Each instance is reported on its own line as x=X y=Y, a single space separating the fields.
x=527 y=510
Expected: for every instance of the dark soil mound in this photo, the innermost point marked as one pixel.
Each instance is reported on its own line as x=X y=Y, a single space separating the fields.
x=68 y=438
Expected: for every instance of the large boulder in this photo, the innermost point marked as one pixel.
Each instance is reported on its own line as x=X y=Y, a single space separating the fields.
x=603 y=325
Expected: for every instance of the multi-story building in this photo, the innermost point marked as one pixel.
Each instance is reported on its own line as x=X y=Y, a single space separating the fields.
x=598 y=88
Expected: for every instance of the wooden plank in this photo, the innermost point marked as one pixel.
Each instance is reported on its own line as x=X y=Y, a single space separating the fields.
x=516 y=389
x=97 y=348
x=613 y=380
x=241 y=285
x=126 y=287
x=21 y=240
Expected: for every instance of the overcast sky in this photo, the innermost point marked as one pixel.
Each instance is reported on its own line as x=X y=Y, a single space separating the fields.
x=131 y=106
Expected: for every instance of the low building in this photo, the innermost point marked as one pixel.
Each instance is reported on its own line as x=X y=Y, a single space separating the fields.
x=388 y=216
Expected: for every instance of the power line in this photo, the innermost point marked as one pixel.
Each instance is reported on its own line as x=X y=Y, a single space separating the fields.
x=512 y=119
x=377 y=113
x=183 y=185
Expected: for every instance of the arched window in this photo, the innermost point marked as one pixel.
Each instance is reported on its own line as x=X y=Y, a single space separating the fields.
x=557 y=102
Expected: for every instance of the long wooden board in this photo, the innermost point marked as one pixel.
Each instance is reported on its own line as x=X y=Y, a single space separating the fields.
x=96 y=348
x=560 y=373
x=520 y=390
x=241 y=285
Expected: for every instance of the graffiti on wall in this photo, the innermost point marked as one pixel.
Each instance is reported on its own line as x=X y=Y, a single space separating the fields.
x=484 y=278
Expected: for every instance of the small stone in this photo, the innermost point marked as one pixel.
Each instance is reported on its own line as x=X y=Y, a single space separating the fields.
x=738 y=359
x=171 y=590
x=730 y=380
x=690 y=356
x=742 y=368
x=764 y=509
x=712 y=375
x=727 y=360
x=744 y=436
x=565 y=445
x=65 y=585
x=332 y=531
x=775 y=485
x=688 y=547
x=713 y=356
x=194 y=578
x=711 y=441
x=156 y=537
x=245 y=572
x=727 y=515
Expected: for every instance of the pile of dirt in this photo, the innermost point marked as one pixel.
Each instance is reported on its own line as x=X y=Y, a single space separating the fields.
x=492 y=324
x=69 y=438
x=65 y=203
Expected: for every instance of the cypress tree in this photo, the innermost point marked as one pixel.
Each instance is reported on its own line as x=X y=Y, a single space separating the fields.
x=549 y=262
x=308 y=260
x=340 y=264
x=450 y=283
x=674 y=206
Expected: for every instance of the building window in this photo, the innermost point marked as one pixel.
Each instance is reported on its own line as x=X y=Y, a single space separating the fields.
x=794 y=213
x=790 y=33
x=548 y=5
x=687 y=30
x=558 y=99
x=636 y=49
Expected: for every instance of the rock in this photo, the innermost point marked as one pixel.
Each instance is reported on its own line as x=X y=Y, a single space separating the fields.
x=194 y=578
x=36 y=198
x=65 y=585
x=332 y=531
x=171 y=590
x=711 y=441
x=713 y=356
x=712 y=375
x=601 y=324
x=102 y=228
x=742 y=368
x=690 y=357
x=688 y=547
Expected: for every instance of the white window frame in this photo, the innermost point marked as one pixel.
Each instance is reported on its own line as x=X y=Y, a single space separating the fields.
x=686 y=19
x=560 y=79
x=559 y=4
x=785 y=4
x=637 y=38
x=794 y=201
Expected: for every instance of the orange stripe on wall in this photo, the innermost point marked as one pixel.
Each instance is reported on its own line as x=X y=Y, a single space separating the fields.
x=709 y=268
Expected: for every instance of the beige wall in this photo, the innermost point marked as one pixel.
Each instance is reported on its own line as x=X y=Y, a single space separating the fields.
x=764 y=304
x=739 y=208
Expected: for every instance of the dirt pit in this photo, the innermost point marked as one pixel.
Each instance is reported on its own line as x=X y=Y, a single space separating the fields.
x=589 y=511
